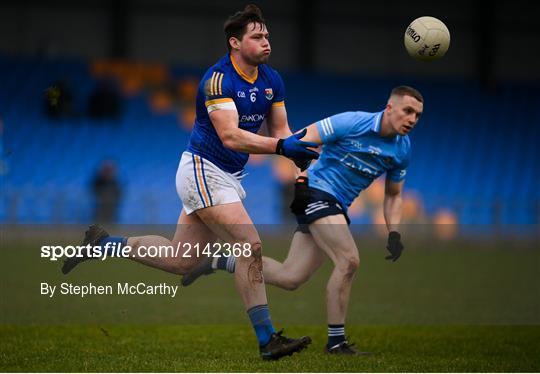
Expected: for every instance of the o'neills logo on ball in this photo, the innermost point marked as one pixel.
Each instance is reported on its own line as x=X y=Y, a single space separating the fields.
x=412 y=33
x=268 y=93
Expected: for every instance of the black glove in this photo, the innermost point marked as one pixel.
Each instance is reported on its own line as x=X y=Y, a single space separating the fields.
x=302 y=164
x=394 y=246
x=301 y=185
x=301 y=195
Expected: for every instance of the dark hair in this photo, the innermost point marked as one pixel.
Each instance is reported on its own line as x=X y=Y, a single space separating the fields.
x=407 y=91
x=236 y=25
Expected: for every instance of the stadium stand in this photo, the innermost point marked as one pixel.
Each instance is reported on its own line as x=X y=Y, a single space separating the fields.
x=474 y=152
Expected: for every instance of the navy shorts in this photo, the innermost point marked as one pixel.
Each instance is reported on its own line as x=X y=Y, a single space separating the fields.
x=310 y=204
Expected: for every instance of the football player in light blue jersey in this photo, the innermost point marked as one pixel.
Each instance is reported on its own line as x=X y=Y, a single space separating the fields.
x=234 y=98
x=357 y=148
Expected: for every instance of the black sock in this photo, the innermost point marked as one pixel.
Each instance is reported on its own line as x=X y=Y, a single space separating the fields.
x=225 y=263
x=336 y=335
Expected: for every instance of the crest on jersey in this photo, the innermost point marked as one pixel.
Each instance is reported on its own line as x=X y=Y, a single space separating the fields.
x=268 y=93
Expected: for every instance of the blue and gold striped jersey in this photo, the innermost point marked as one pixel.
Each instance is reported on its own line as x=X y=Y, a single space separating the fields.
x=225 y=87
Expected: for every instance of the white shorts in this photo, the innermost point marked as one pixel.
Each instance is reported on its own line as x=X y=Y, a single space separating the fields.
x=201 y=184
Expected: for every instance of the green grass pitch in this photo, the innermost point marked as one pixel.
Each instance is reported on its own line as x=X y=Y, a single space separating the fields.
x=459 y=307
x=228 y=348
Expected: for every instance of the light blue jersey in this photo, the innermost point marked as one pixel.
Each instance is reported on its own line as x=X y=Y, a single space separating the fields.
x=354 y=155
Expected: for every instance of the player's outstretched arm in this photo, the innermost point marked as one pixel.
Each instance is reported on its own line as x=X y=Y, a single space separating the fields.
x=277 y=123
x=392 y=215
x=226 y=124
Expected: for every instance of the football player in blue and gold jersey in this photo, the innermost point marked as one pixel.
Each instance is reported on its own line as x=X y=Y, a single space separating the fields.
x=234 y=98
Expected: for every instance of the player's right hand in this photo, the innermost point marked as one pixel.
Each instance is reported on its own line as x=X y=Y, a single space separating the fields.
x=301 y=184
x=293 y=148
x=301 y=195
x=394 y=246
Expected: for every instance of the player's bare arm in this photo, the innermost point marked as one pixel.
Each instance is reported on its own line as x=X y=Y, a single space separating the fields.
x=277 y=123
x=392 y=215
x=226 y=124
x=312 y=134
x=392 y=204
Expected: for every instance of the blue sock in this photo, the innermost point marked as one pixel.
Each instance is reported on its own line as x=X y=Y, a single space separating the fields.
x=226 y=263
x=336 y=335
x=260 y=319
x=117 y=243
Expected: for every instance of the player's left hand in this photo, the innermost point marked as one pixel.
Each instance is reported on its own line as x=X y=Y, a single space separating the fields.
x=394 y=246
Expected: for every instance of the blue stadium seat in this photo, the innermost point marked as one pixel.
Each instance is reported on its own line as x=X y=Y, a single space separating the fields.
x=481 y=160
